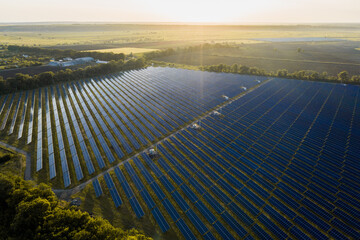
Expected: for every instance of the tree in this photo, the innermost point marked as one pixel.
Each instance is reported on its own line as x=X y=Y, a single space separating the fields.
x=234 y=68
x=282 y=73
x=343 y=76
x=355 y=79
x=34 y=212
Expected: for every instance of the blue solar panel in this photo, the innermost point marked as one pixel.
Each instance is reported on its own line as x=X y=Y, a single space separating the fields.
x=180 y=201
x=199 y=225
x=97 y=187
x=213 y=203
x=171 y=210
x=148 y=199
x=159 y=193
x=205 y=211
x=234 y=224
x=169 y=187
x=224 y=233
x=164 y=226
x=189 y=193
x=5 y=118
x=272 y=227
x=136 y=207
x=185 y=230
x=113 y=191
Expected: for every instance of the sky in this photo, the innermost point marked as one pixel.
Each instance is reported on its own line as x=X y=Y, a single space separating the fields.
x=220 y=11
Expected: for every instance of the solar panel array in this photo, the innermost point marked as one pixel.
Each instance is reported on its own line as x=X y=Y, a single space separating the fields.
x=114 y=116
x=280 y=162
x=268 y=167
x=60 y=140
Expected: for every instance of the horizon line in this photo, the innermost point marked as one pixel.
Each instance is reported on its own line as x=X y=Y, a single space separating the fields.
x=173 y=23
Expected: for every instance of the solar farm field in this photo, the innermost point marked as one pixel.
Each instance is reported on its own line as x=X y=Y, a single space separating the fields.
x=278 y=159
x=78 y=129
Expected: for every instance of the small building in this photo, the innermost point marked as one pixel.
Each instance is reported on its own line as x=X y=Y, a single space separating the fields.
x=73 y=62
x=99 y=61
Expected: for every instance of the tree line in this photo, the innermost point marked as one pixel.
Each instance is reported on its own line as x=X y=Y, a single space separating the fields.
x=58 y=53
x=25 y=81
x=342 y=76
x=34 y=212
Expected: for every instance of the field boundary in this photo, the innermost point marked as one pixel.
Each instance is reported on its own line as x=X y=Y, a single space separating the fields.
x=284 y=59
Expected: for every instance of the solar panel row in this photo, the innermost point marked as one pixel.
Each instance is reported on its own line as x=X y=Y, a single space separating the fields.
x=22 y=121
x=39 y=154
x=70 y=139
x=52 y=167
x=12 y=126
x=79 y=134
x=3 y=125
x=63 y=159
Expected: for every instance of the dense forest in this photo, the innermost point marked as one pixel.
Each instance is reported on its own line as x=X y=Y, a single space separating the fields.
x=33 y=212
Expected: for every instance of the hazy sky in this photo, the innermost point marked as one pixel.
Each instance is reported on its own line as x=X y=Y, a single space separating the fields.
x=262 y=11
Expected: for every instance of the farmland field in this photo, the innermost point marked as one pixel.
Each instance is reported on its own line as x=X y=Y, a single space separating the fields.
x=236 y=156
x=330 y=57
x=125 y=50
x=319 y=47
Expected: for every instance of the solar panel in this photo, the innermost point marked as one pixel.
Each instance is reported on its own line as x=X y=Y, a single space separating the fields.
x=185 y=230
x=112 y=189
x=136 y=207
x=222 y=230
x=199 y=225
x=97 y=187
x=3 y=125
x=22 y=121
x=171 y=210
x=164 y=226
